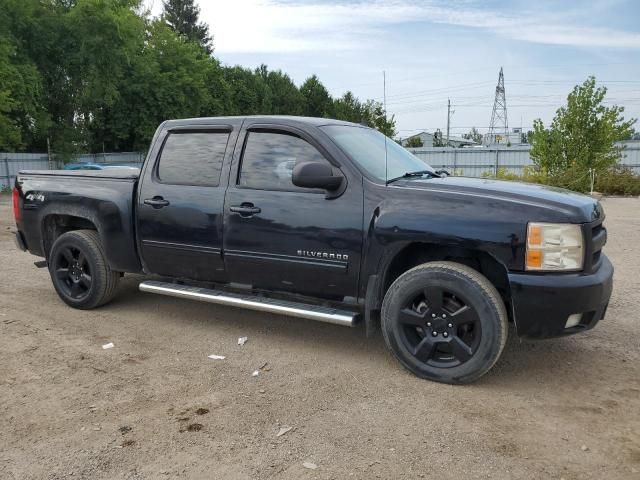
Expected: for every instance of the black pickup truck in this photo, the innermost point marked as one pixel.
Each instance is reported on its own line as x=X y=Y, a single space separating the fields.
x=331 y=221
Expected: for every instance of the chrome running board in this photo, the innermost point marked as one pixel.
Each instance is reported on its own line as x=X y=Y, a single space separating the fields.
x=252 y=302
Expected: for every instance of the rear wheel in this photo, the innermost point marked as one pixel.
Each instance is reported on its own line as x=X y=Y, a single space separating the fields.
x=445 y=322
x=79 y=270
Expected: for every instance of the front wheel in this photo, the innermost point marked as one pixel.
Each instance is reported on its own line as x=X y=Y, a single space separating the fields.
x=79 y=270
x=445 y=322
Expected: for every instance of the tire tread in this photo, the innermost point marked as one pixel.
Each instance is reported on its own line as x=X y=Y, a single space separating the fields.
x=111 y=278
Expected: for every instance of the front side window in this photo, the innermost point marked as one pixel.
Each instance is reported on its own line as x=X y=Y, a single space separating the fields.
x=378 y=155
x=269 y=158
x=193 y=158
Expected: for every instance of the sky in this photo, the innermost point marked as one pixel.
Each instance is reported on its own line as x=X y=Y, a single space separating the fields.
x=434 y=50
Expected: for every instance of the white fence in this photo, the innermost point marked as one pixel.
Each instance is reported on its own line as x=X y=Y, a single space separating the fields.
x=476 y=162
x=471 y=162
x=12 y=163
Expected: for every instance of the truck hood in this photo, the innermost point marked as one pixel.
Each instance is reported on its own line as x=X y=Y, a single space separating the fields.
x=577 y=207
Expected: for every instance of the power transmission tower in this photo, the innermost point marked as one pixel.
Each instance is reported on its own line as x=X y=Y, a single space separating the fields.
x=499 y=124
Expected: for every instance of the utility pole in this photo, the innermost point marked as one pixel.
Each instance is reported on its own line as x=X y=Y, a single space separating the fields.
x=448 y=120
x=384 y=90
x=51 y=167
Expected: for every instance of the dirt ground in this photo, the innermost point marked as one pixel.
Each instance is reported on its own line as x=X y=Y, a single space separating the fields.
x=154 y=406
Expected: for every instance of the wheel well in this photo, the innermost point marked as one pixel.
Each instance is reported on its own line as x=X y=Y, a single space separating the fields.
x=55 y=225
x=419 y=253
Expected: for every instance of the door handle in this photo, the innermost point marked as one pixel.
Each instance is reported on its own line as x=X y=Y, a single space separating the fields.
x=156 y=202
x=245 y=209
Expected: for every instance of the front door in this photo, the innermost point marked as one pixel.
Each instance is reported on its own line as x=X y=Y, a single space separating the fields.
x=180 y=203
x=282 y=237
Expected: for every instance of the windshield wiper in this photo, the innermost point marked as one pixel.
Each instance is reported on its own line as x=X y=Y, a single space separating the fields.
x=419 y=173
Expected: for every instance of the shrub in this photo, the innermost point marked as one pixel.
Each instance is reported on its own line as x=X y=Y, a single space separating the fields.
x=618 y=181
x=615 y=181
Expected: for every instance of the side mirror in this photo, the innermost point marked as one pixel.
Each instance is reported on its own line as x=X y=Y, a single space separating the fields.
x=315 y=175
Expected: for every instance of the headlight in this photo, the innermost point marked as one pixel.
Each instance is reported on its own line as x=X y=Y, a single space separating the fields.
x=554 y=247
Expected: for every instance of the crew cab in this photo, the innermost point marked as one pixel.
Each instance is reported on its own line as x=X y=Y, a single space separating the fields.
x=331 y=221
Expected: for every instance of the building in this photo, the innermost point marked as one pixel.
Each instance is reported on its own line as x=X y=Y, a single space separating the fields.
x=428 y=140
x=512 y=138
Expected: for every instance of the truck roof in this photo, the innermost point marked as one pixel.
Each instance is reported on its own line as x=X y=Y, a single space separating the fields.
x=283 y=119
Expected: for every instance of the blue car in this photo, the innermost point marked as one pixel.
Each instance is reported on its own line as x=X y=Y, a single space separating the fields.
x=94 y=166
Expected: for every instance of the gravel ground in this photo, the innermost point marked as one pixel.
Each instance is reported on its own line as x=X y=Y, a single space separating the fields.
x=154 y=406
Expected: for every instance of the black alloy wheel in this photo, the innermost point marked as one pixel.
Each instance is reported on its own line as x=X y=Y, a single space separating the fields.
x=79 y=270
x=73 y=272
x=440 y=327
x=444 y=321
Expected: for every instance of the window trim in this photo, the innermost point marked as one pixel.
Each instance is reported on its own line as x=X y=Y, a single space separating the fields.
x=291 y=132
x=185 y=130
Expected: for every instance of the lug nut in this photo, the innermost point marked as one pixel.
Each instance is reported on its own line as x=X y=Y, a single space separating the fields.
x=444 y=315
x=428 y=324
x=450 y=325
x=445 y=334
x=434 y=333
x=433 y=315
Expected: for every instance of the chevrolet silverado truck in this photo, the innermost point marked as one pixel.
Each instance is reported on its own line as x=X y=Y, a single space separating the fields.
x=330 y=221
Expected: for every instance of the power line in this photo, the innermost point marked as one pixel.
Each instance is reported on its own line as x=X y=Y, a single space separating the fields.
x=435 y=100
x=509 y=66
x=407 y=96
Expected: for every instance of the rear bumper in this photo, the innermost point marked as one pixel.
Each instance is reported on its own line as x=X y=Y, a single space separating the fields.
x=543 y=303
x=20 y=241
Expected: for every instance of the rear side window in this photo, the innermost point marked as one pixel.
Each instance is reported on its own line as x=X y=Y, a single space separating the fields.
x=193 y=158
x=269 y=158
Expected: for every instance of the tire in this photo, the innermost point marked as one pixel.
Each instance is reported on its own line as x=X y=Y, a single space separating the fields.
x=79 y=270
x=444 y=322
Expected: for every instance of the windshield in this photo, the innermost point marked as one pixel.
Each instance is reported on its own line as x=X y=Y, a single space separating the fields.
x=366 y=147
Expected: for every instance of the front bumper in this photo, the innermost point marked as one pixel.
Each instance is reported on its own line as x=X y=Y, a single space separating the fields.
x=543 y=303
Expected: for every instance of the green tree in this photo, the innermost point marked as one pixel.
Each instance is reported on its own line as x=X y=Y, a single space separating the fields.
x=23 y=117
x=20 y=88
x=94 y=75
x=474 y=135
x=285 y=98
x=318 y=102
x=83 y=50
x=248 y=91
x=582 y=135
x=414 y=142
x=526 y=137
x=109 y=36
x=438 y=141
x=170 y=78
x=182 y=17
x=376 y=117
x=348 y=108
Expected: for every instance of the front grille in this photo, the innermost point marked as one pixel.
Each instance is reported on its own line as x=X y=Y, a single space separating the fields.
x=596 y=237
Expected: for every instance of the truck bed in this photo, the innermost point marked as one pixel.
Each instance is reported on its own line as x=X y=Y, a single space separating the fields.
x=103 y=200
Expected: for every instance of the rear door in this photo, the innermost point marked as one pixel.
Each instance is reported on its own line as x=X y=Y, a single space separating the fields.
x=282 y=237
x=181 y=199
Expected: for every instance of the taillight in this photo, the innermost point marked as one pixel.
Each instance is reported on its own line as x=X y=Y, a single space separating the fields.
x=16 y=204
